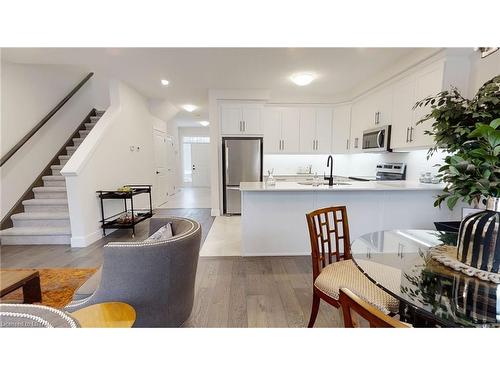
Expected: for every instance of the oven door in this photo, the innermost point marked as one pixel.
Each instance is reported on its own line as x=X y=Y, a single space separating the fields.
x=376 y=139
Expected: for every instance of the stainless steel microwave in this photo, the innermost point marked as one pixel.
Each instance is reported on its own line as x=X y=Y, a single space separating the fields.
x=377 y=139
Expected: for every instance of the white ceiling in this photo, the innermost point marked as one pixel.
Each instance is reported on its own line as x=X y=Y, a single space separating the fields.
x=193 y=71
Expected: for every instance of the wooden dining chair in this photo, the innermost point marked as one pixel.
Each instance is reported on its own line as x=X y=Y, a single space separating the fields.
x=375 y=318
x=332 y=265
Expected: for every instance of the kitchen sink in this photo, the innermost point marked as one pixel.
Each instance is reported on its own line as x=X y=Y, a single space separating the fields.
x=323 y=183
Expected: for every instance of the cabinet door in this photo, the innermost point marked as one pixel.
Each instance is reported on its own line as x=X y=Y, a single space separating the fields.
x=308 y=130
x=231 y=120
x=271 y=122
x=341 y=129
x=402 y=113
x=428 y=82
x=383 y=106
x=290 y=129
x=323 y=130
x=361 y=119
x=251 y=117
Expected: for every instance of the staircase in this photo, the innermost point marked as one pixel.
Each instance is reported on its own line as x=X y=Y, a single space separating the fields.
x=45 y=219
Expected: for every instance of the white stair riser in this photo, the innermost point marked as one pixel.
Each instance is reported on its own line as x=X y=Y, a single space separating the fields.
x=63 y=162
x=45 y=208
x=51 y=195
x=83 y=133
x=77 y=141
x=52 y=183
x=41 y=223
x=56 y=172
x=93 y=119
x=36 y=240
x=89 y=126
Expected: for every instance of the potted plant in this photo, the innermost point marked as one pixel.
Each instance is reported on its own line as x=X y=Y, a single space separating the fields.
x=469 y=130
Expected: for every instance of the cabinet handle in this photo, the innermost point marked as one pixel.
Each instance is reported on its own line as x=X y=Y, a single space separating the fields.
x=407 y=130
x=240 y=127
x=283 y=145
x=347 y=144
x=411 y=134
x=356 y=142
x=244 y=126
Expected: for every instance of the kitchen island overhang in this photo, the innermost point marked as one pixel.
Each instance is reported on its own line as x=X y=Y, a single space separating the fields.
x=273 y=219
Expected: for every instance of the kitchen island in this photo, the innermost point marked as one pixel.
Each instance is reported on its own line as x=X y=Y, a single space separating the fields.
x=273 y=217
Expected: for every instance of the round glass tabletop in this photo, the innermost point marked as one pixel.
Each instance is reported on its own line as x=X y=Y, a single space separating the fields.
x=399 y=262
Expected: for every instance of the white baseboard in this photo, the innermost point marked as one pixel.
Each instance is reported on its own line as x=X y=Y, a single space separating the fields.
x=84 y=241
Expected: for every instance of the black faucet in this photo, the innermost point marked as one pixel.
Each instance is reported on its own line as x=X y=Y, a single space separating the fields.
x=329 y=163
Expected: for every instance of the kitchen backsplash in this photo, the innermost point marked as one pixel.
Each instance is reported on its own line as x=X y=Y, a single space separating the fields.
x=354 y=164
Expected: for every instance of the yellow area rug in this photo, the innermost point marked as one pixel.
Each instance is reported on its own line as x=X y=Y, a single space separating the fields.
x=58 y=285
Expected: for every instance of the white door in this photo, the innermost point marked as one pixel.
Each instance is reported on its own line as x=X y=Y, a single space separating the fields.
x=160 y=150
x=200 y=160
x=172 y=165
x=341 y=129
x=251 y=116
x=231 y=120
x=271 y=121
x=290 y=130
x=323 y=131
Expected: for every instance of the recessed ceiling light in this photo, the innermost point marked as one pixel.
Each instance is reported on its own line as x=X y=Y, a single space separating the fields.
x=204 y=123
x=164 y=82
x=302 y=79
x=189 y=107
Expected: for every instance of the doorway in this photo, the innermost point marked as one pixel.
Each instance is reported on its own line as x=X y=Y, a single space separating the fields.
x=165 y=167
x=196 y=161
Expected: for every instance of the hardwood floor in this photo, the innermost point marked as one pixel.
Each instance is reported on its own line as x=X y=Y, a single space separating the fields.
x=230 y=291
x=256 y=292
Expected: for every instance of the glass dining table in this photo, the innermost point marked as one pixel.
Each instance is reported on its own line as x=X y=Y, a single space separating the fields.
x=430 y=294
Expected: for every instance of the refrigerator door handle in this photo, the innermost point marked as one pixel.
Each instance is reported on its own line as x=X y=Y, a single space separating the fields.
x=227 y=159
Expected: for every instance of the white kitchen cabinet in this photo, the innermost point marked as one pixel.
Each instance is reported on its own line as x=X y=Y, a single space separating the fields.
x=315 y=130
x=324 y=130
x=361 y=119
x=290 y=130
x=382 y=107
x=406 y=134
x=402 y=114
x=341 y=129
x=241 y=119
x=281 y=130
x=427 y=82
x=307 y=130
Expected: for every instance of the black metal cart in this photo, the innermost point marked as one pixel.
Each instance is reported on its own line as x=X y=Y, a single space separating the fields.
x=137 y=216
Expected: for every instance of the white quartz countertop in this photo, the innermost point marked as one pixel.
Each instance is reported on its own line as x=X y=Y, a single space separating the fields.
x=352 y=186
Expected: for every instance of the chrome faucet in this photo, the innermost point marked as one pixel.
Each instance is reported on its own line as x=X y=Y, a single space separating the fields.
x=329 y=163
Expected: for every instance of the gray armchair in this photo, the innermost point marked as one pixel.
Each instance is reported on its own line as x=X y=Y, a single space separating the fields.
x=156 y=278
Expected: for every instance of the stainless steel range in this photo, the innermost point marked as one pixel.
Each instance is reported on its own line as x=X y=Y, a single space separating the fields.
x=385 y=172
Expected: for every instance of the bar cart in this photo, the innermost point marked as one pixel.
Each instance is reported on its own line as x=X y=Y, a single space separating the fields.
x=136 y=216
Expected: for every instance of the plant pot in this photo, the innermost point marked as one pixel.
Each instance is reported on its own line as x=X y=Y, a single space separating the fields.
x=478 y=239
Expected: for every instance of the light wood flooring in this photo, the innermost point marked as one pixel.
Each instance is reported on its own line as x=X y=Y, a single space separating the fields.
x=230 y=291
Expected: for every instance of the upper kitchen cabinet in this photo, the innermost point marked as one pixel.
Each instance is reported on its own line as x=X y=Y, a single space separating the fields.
x=426 y=81
x=402 y=114
x=361 y=119
x=381 y=107
x=281 y=130
x=341 y=129
x=315 y=130
x=241 y=119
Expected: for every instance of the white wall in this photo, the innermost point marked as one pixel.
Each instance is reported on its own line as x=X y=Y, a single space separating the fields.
x=28 y=93
x=354 y=164
x=104 y=161
x=482 y=70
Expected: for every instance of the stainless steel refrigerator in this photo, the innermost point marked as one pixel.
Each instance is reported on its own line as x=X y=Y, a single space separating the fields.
x=241 y=162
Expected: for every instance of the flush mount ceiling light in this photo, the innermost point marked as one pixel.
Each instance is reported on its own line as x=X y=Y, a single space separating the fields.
x=164 y=82
x=302 y=79
x=204 y=123
x=189 y=107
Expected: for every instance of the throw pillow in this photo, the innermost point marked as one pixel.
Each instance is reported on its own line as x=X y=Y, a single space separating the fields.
x=164 y=233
